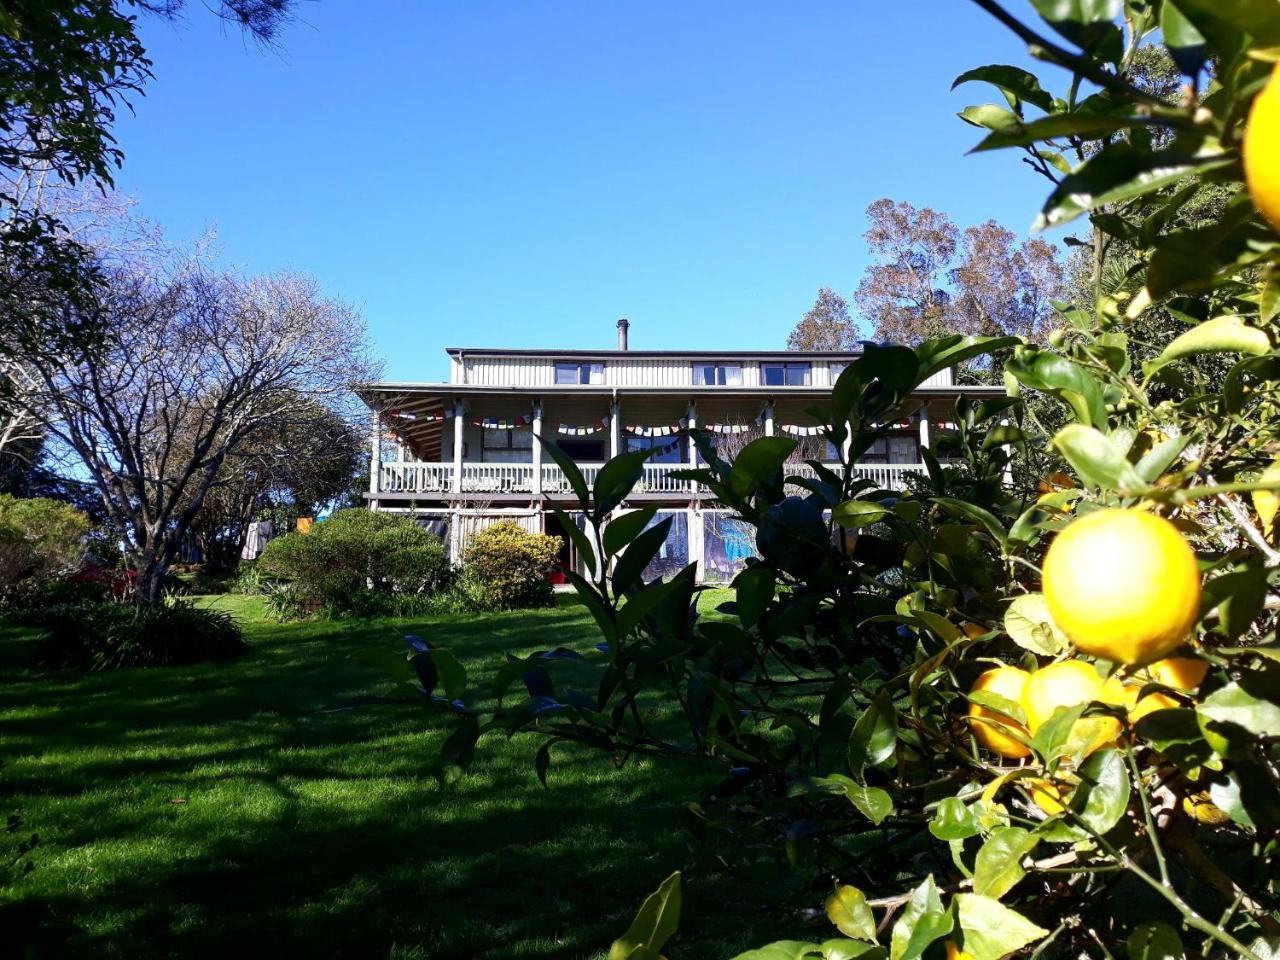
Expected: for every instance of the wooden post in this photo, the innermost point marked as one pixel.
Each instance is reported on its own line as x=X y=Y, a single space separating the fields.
x=615 y=428
x=537 y=448
x=768 y=419
x=458 y=424
x=375 y=453
x=924 y=428
x=692 y=417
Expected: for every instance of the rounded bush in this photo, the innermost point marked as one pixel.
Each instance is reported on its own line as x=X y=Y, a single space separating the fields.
x=513 y=564
x=40 y=540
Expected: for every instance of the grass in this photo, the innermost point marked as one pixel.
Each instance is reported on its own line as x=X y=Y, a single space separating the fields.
x=225 y=810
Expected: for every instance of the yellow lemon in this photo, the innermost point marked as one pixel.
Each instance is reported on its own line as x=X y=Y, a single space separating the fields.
x=974 y=630
x=1123 y=585
x=1150 y=704
x=990 y=728
x=1068 y=684
x=1262 y=150
x=1047 y=796
x=1180 y=673
x=1200 y=808
x=955 y=953
x=1266 y=502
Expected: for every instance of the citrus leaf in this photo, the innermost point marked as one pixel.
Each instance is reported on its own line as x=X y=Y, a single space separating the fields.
x=953 y=821
x=1103 y=794
x=923 y=921
x=653 y=926
x=998 y=867
x=1029 y=625
x=1014 y=81
x=1096 y=460
x=990 y=930
x=847 y=909
x=1228 y=334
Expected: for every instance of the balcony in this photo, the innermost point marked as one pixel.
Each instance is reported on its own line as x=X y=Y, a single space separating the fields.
x=478 y=481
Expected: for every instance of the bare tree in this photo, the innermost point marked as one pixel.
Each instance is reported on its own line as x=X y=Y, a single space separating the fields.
x=827 y=325
x=193 y=364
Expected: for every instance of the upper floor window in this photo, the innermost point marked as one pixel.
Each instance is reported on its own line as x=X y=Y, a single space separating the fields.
x=786 y=374
x=579 y=373
x=836 y=367
x=717 y=375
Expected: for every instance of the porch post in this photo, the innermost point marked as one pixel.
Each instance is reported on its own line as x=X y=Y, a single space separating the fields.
x=693 y=423
x=615 y=428
x=375 y=451
x=768 y=419
x=924 y=427
x=458 y=425
x=537 y=448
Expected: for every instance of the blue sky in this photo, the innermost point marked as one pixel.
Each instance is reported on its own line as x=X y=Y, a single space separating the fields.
x=478 y=173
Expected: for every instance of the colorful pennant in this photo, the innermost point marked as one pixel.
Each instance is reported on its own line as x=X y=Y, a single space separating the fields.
x=488 y=423
x=798 y=431
x=664 y=431
x=571 y=431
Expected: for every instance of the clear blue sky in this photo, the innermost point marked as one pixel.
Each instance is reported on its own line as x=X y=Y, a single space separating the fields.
x=522 y=174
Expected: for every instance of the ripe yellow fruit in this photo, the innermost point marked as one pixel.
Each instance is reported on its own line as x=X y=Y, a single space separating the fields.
x=991 y=729
x=974 y=630
x=1200 y=808
x=1047 y=796
x=1262 y=150
x=1150 y=704
x=1267 y=502
x=1123 y=585
x=1180 y=673
x=1068 y=684
x=955 y=953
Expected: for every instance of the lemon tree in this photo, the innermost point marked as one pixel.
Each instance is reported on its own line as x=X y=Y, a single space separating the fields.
x=1028 y=718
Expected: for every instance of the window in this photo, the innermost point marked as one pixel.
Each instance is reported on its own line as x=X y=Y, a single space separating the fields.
x=836 y=367
x=506 y=446
x=900 y=448
x=717 y=375
x=669 y=449
x=579 y=373
x=785 y=374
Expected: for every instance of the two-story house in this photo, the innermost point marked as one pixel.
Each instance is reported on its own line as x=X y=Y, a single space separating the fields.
x=463 y=454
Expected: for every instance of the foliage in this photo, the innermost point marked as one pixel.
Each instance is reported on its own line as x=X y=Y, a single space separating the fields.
x=353 y=563
x=110 y=636
x=827 y=325
x=929 y=279
x=836 y=699
x=40 y=540
x=512 y=565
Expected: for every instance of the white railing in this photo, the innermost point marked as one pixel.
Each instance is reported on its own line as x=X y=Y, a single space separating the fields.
x=479 y=479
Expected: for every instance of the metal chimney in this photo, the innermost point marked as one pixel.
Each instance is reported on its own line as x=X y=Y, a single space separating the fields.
x=623 y=324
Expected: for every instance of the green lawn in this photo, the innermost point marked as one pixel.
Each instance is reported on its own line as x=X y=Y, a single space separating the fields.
x=226 y=810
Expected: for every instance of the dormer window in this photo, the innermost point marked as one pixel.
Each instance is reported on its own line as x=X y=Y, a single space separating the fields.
x=786 y=374
x=717 y=375
x=578 y=373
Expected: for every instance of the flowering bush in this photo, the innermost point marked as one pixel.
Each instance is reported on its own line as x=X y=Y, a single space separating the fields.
x=511 y=565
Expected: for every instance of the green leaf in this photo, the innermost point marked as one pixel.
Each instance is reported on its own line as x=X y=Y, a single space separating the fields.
x=759 y=460
x=452 y=674
x=872 y=802
x=1155 y=941
x=623 y=529
x=875 y=735
x=1185 y=43
x=953 y=821
x=837 y=949
x=922 y=922
x=1102 y=796
x=853 y=514
x=1029 y=625
x=942 y=352
x=643 y=602
x=654 y=925
x=1096 y=460
x=998 y=867
x=581 y=542
x=1229 y=334
x=989 y=930
x=1087 y=23
x=617 y=478
x=754 y=588
x=1015 y=81
x=1086 y=126
x=980 y=515
x=1254 y=17
x=988 y=116
x=1117 y=173
x=847 y=909
x=638 y=555
x=570 y=470
x=1250 y=702
x=1061 y=378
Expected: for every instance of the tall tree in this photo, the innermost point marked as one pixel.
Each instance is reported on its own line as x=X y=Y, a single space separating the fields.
x=929 y=279
x=827 y=325
x=192 y=367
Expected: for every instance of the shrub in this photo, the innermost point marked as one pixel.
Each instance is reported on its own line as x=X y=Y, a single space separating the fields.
x=108 y=636
x=40 y=540
x=249 y=580
x=512 y=564
x=351 y=562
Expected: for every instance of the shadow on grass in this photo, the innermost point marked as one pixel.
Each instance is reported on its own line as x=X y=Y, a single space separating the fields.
x=221 y=810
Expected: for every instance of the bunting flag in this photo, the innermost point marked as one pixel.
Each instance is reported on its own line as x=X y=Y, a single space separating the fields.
x=488 y=423
x=571 y=431
x=424 y=417
x=664 y=431
x=730 y=428
x=402 y=415
x=798 y=431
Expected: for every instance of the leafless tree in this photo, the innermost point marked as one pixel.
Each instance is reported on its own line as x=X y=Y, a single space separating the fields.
x=193 y=364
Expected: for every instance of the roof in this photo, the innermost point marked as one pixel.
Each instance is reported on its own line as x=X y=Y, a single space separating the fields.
x=669 y=354
x=604 y=390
